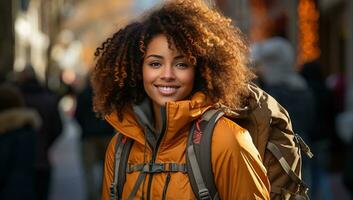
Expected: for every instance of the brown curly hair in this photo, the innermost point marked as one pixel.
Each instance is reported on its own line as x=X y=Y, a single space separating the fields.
x=203 y=35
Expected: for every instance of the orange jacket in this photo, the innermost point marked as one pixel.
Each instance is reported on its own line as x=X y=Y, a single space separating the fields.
x=236 y=163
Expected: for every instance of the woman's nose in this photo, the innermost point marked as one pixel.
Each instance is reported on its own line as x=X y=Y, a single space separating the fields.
x=168 y=73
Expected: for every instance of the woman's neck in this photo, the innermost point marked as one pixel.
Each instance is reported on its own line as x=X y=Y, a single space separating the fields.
x=157 y=117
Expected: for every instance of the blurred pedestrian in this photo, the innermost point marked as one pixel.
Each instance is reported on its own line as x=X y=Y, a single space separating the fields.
x=274 y=59
x=324 y=129
x=348 y=168
x=18 y=126
x=337 y=84
x=96 y=134
x=45 y=102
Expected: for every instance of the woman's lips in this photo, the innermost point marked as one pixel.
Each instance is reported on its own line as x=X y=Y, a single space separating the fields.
x=167 y=90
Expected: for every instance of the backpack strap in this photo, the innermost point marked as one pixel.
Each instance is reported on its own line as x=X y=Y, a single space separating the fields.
x=302 y=195
x=286 y=167
x=118 y=150
x=277 y=153
x=140 y=179
x=122 y=150
x=199 y=154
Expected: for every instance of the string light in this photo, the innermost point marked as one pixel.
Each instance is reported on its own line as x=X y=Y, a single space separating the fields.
x=308 y=37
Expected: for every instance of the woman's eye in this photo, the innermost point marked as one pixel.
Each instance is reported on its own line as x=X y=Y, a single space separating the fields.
x=155 y=64
x=182 y=65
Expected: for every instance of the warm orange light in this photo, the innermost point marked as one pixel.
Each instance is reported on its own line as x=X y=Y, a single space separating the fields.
x=261 y=24
x=308 y=20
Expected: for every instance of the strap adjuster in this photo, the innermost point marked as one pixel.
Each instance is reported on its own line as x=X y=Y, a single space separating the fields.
x=153 y=168
x=204 y=194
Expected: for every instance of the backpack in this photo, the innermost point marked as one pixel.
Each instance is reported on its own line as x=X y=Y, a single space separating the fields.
x=270 y=128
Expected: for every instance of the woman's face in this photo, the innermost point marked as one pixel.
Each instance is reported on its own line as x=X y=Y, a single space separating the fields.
x=167 y=75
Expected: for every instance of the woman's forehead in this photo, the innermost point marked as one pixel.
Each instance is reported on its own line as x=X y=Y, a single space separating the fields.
x=160 y=43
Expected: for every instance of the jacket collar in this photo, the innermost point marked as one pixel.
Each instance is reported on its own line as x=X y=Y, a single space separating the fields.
x=178 y=115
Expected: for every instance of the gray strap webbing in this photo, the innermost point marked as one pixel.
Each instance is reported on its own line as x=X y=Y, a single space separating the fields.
x=122 y=167
x=199 y=178
x=202 y=190
x=209 y=114
x=211 y=117
x=157 y=167
x=140 y=178
x=276 y=152
x=118 y=150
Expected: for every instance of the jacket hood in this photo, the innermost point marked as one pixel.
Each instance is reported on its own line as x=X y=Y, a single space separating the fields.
x=15 y=118
x=178 y=115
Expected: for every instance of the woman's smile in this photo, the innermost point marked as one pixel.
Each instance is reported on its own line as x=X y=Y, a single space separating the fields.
x=167 y=90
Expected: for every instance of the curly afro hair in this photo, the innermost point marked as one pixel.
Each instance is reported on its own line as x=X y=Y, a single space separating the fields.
x=203 y=35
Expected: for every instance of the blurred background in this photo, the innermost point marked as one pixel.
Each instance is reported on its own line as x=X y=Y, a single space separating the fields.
x=47 y=50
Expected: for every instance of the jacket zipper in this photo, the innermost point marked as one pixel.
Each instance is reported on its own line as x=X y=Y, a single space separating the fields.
x=155 y=150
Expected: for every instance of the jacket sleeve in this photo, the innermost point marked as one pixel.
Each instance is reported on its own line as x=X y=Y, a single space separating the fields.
x=236 y=163
x=108 y=168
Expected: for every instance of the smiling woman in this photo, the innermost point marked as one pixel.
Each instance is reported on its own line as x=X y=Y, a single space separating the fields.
x=153 y=79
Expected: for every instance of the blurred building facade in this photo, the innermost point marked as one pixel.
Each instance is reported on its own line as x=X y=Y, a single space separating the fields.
x=59 y=37
x=319 y=29
x=6 y=38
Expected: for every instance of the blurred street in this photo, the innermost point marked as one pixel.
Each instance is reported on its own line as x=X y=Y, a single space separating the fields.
x=67 y=182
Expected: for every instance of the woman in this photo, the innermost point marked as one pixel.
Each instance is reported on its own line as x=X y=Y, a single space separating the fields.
x=154 y=78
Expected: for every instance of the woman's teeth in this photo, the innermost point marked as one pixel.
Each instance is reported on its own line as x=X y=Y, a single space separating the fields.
x=167 y=89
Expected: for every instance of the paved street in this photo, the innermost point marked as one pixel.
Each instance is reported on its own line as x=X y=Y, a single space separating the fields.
x=67 y=182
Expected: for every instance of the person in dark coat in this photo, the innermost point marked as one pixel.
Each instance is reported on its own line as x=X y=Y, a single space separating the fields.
x=96 y=134
x=45 y=102
x=324 y=129
x=348 y=166
x=18 y=127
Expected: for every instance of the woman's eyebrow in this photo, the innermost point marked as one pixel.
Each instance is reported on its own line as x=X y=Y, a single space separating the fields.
x=179 y=57
x=154 y=55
